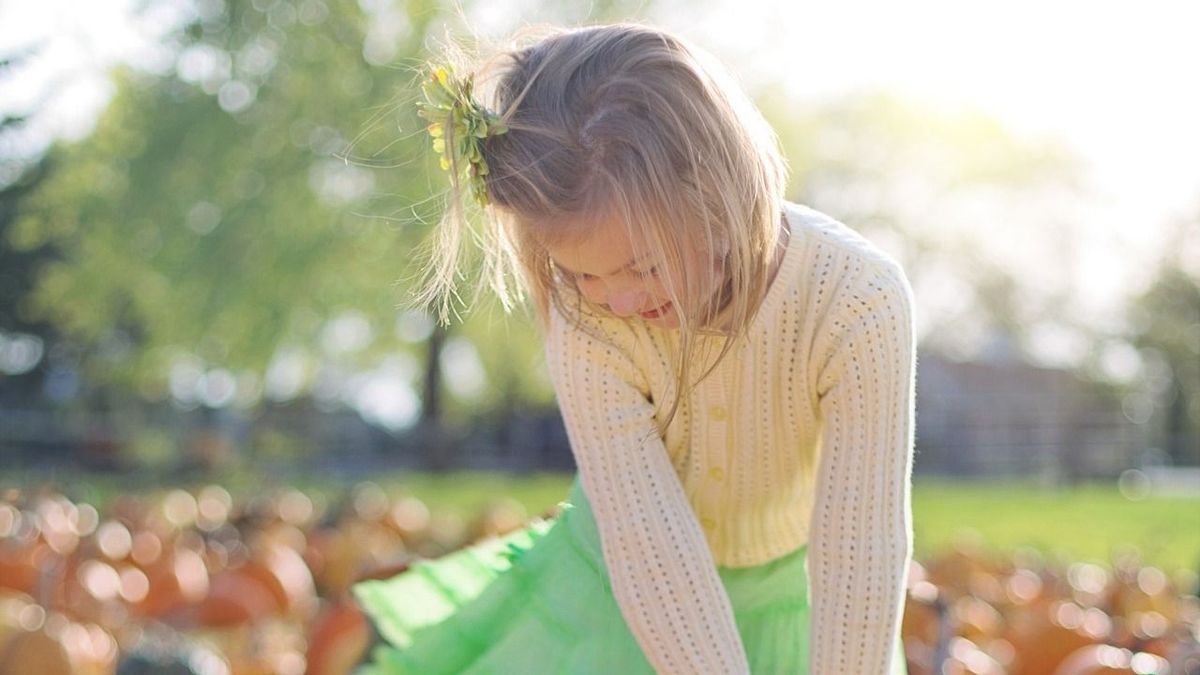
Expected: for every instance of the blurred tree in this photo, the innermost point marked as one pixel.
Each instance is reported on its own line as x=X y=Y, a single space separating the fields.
x=25 y=341
x=1165 y=323
x=207 y=213
x=257 y=208
x=984 y=221
x=23 y=370
x=39 y=382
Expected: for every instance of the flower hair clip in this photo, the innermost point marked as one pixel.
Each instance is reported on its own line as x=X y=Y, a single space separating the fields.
x=458 y=125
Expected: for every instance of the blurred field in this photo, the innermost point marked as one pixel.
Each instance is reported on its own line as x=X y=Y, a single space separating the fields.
x=1091 y=522
x=255 y=566
x=1084 y=523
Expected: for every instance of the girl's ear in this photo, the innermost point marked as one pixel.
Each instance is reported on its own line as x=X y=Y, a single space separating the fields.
x=723 y=247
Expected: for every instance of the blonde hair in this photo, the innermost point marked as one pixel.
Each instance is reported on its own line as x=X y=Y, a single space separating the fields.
x=624 y=122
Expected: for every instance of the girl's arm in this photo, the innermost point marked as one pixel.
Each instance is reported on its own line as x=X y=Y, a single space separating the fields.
x=860 y=543
x=663 y=574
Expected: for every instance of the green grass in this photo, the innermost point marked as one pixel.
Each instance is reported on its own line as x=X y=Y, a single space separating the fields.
x=1084 y=523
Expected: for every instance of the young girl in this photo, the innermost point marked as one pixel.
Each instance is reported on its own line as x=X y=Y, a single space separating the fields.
x=735 y=371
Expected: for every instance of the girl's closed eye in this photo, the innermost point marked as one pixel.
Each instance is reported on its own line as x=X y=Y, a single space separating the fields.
x=585 y=277
x=568 y=275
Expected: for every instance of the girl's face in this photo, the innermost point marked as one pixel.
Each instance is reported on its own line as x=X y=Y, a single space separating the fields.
x=620 y=274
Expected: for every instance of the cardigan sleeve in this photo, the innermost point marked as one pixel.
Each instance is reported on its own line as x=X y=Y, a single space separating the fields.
x=662 y=571
x=860 y=544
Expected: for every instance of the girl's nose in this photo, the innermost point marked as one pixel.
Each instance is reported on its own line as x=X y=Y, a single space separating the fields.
x=625 y=302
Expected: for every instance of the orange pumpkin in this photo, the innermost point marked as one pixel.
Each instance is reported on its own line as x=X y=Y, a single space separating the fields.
x=236 y=598
x=1044 y=635
x=338 y=639
x=1106 y=659
x=177 y=578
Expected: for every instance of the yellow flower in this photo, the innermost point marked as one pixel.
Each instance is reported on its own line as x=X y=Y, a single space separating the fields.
x=455 y=116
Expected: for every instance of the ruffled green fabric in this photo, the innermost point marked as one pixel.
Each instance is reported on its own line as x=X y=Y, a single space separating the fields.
x=538 y=601
x=430 y=591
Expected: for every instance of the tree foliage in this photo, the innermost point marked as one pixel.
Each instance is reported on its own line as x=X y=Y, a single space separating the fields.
x=1165 y=326
x=986 y=222
x=234 y=208
x=275 y=186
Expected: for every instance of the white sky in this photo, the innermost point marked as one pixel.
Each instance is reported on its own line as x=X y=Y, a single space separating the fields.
x=76 y=42
x=1119 y=81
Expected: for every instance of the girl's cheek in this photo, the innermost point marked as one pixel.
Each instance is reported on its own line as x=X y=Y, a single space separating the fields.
x=668 y=282
x=592 y=292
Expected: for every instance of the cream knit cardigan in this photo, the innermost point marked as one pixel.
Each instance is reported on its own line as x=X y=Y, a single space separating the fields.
x=803 y=435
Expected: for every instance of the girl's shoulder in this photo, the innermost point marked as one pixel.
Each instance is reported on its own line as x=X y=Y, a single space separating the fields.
x=827 y=236
x=838 y=270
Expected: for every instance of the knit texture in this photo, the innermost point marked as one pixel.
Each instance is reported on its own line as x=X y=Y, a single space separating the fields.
x=802 y=435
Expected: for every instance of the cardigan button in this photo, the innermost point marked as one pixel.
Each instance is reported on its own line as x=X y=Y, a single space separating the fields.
x=718 y=413
x=708 y=523
x=716 y=473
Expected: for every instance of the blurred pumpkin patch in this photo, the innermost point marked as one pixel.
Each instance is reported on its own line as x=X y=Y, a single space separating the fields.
x=260 y=585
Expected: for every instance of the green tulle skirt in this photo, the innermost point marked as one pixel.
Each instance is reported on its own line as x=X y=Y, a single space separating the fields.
x=539 y=601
